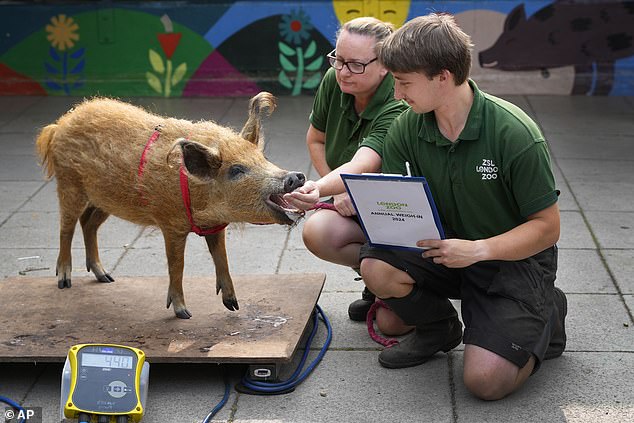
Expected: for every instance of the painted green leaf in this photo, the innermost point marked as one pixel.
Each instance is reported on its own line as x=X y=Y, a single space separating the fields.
x=286 y=83
x=154 y=82
x=157 y=62
x=179 y=73
x=315 y=64
x=286 y=64
x=310 y=51
x=285 y=49
x=312 y=82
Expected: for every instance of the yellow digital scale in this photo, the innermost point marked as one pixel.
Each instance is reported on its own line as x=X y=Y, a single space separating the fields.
x=104 y=383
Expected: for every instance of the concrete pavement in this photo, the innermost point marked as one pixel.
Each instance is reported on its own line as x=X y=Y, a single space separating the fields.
x=592 y=143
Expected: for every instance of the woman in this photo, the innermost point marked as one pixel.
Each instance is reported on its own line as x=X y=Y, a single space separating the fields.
x=353 y=108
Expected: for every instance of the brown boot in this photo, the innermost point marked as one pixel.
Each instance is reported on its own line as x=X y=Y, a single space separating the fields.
x=358 y=309
x=419 y=347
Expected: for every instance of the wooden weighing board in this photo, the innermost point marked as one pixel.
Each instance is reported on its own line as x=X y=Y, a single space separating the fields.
x=39 y=322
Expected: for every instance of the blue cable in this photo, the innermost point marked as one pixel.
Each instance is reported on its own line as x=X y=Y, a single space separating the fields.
x=221 y=404
x=296 y=378
x=14 y=405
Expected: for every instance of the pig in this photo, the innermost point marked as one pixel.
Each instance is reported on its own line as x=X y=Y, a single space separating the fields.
x=586 y=35
x=113 y=158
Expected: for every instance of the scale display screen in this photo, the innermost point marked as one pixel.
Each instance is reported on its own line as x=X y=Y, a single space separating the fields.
x=110 y=361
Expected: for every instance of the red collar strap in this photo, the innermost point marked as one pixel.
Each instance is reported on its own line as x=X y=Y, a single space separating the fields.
x=143 y=161
x=186 y=200
x=184 y=188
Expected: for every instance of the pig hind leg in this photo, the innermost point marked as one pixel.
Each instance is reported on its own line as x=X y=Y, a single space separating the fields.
x=217 y=248
x=175 y=251
x=72 y=199
x=90 y=220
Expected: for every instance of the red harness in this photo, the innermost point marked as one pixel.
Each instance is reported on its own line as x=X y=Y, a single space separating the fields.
x=184 y=183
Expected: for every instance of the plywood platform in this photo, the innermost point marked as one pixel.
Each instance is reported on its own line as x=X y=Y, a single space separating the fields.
x=39 y=322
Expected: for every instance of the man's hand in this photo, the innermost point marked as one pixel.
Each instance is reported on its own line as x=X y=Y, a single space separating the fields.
x=454 y=253
x=304 y=197
x=343 y=204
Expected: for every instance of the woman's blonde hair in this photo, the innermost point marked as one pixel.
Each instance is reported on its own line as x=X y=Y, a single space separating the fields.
x=369 y=27
x=428 y=45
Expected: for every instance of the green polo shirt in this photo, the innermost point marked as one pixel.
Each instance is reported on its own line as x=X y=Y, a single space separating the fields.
x=333 y=113
x=496 y=174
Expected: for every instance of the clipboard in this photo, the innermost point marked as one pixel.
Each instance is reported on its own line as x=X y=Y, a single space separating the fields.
x=394 y=211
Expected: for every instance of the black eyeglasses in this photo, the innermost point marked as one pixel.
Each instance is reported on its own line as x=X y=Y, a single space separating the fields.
x=353 y=67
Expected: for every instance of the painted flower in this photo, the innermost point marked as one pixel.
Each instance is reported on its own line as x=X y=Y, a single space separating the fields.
x=61 y=34
x=295 y=26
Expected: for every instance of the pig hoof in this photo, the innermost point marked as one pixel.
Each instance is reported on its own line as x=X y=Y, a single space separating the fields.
x=63 y=283
x=105 y=278
x=183 y=314
x=231 y=304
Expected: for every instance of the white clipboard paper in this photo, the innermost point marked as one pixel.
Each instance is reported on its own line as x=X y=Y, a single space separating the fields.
x=395 y=211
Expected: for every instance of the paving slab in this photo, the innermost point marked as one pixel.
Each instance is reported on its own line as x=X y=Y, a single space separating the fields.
x=612 y=229
x=600 y=186
x=41 y=229
x=583 y=272
x=599 y=147
x=14 y=194
x=621 y=264
x=359 y=391
x=12 y=107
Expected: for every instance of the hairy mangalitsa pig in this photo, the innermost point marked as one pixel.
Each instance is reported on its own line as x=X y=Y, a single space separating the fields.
x=113 y=158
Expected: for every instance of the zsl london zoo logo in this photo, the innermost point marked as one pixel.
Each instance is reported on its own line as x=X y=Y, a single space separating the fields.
x=487 y=169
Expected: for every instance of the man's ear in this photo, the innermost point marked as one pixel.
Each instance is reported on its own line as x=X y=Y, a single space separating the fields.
x=200 y=161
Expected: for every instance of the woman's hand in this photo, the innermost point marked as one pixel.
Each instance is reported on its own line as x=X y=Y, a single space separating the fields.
x=304 y=197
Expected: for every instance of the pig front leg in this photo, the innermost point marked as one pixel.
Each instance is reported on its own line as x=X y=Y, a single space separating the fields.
x=175 y=251
x=216 y=245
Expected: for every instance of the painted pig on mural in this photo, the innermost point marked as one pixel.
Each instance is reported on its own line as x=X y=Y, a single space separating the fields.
x=110 y=157
x=589 y=36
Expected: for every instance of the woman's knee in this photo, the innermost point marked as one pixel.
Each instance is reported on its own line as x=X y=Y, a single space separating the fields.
x=312 y=234
x=373 y=274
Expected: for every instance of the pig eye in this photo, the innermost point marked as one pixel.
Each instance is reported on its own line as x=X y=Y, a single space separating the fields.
x=236 y=171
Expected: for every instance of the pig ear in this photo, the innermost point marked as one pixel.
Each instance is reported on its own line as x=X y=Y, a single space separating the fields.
x=200 y=161
x=261 y=104
x=517 y=16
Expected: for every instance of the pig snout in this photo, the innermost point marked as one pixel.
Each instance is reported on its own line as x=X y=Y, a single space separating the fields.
x=293 y=180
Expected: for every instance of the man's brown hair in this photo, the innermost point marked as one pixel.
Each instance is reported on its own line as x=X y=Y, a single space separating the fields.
x=428 y=45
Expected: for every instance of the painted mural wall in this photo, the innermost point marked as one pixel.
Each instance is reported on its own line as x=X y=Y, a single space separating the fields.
x=238 y=48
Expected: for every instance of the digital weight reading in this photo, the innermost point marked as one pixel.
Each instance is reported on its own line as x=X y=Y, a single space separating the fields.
x=107 y=361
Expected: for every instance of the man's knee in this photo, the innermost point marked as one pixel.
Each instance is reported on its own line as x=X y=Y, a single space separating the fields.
x=491 y=377
x=486 y=383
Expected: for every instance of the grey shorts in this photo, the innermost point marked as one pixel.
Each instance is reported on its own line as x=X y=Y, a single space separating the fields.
x=506 y=305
